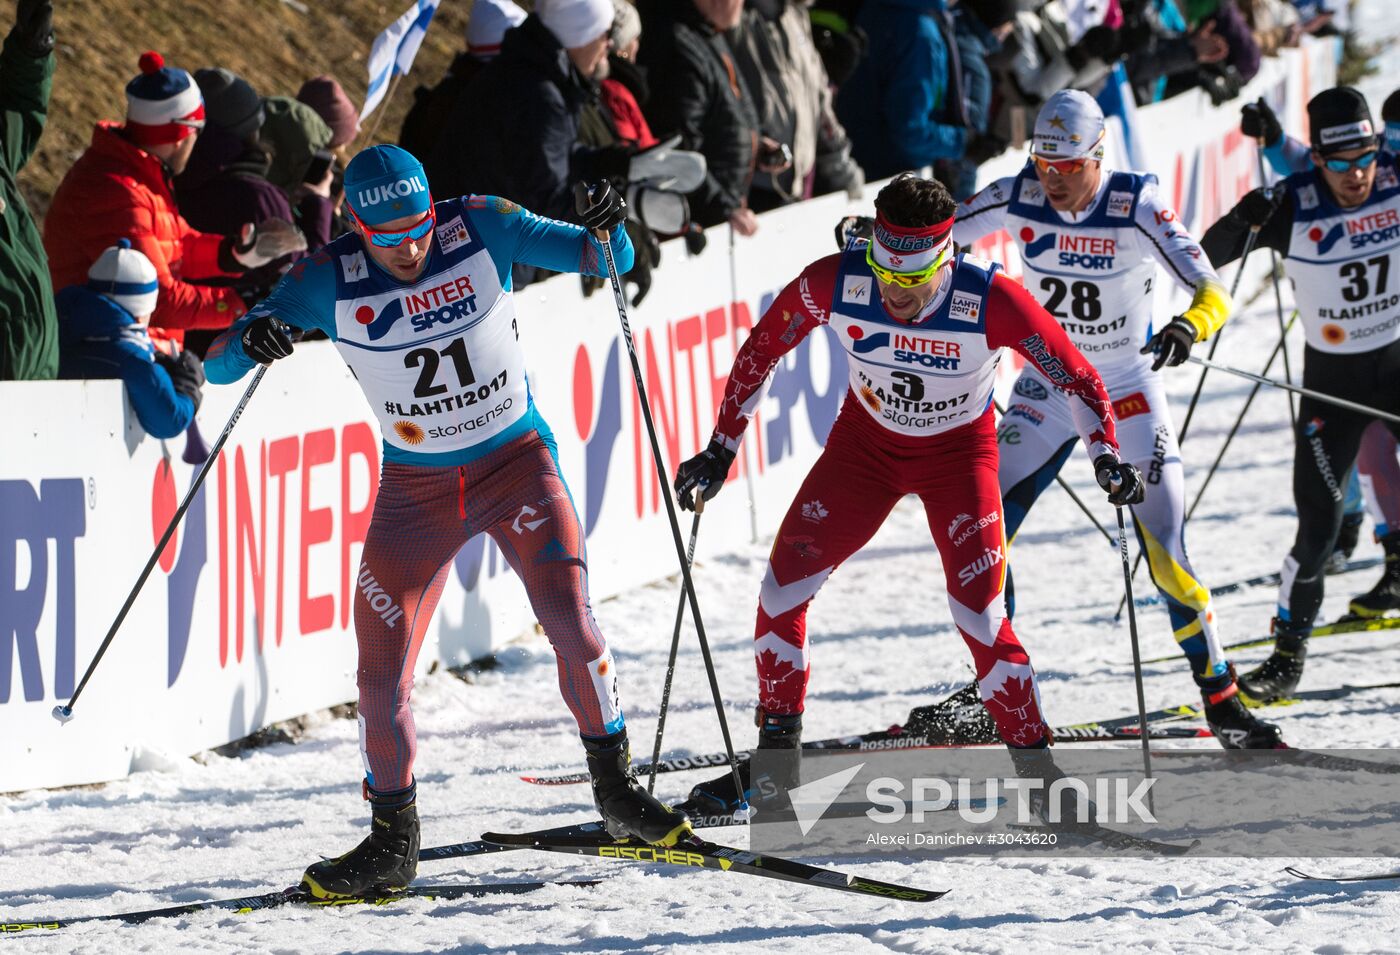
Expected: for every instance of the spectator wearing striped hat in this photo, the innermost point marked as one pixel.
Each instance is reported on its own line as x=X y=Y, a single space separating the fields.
x=104 y=335
x=121 y=188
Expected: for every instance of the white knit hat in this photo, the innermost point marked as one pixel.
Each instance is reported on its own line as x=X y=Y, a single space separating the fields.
x=575 y=23
x=127 y=277
x=488 y=25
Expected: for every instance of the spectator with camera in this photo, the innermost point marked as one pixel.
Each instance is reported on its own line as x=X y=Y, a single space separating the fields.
x=104 y=335
x=28 y=326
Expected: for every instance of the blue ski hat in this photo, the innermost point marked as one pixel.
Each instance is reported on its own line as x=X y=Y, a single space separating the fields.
x=385 y=182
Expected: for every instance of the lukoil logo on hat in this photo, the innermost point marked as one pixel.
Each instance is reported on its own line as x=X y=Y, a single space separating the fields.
x=383 y=183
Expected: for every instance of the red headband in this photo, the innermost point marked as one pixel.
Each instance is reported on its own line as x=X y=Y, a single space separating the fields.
x=145 y=134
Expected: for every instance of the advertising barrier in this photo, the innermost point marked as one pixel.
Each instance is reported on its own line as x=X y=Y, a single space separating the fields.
x=246 y=620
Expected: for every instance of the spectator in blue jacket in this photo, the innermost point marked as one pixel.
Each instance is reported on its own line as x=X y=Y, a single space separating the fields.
x=102 y=328
x=900 y=106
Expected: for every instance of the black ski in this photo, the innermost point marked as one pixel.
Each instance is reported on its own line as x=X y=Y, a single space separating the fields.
x=1366 y=877
x=896 y=737
x=1364 y=625
x=1265 y=580
x=701 y=854
x=291 y=896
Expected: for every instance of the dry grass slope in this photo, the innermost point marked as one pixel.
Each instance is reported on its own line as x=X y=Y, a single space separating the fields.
x=274 y=44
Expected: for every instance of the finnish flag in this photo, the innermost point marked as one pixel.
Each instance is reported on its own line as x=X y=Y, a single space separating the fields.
x=394 y=50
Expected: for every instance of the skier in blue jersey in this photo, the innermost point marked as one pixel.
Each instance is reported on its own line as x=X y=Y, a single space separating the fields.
x=417 y=299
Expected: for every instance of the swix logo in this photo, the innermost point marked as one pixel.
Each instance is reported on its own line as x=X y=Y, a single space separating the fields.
x=441 y=304
x=379 y=601
x=989 y=559
x=1081 y=251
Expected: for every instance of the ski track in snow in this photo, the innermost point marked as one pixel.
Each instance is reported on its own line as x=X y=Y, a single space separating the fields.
x=882 y=642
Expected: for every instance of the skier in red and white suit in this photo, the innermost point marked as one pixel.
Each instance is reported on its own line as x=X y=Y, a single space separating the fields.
x=923 y=332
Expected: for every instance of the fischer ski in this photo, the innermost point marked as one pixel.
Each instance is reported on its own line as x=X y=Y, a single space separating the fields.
x=1362 y=625
x=1366 y=877
x=1264 y=580
x=291 y=896
x=701 y=854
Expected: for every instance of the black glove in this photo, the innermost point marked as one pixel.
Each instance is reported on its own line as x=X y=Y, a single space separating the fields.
x=1171 y=345
x=1222 y=83
x=853 y=227
x=599 y=206
x=34 y=25
x=707 y=471
x=695 y=239
x=1121 y=480
x=1258 y=206
x=1257 y=121
x=267 y=339
x=186 y=374
x=647 y=257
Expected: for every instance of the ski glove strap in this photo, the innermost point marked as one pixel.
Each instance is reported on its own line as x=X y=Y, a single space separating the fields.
x=1121 y=480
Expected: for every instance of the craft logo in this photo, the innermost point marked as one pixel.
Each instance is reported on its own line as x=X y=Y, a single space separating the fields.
x=1130 y=406
x=1076 y=251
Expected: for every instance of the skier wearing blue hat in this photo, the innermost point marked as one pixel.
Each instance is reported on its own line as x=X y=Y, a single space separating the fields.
x=417 y=298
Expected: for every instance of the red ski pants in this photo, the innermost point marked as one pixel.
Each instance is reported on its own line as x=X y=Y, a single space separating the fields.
x=849 y=492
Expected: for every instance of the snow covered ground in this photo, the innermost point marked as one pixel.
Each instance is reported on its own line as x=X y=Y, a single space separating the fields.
x=882 y=642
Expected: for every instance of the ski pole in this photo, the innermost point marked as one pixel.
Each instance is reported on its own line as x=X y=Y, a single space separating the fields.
x=1118 y=614
x=1070 y=491
x=64 y=712
x=742 y=813
x=675 y=646
x=1278 y=296
x=1214 y=343
x=1235 y=428
x=1137 y=654
x=1305 y=392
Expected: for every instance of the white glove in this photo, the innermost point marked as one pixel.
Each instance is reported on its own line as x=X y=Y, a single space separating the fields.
x=660 y=210
x=257 y=245
x=663 y=166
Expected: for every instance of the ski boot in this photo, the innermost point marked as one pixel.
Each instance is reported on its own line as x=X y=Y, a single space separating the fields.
x=1347 y=539
x=961 y=718
x=1229 y=721
x=1278 y=676
x=775 y=732
x=386 y=860
x=628 y=810
x=1068 y=810
x=1384 y=598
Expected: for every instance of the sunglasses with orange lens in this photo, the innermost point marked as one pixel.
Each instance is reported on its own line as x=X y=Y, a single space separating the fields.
x=1061 y=167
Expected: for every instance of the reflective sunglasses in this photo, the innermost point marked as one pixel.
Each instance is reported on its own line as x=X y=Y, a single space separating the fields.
x=1346 y=165
x=905 y=279
x=392 y=240
x=1062 y=167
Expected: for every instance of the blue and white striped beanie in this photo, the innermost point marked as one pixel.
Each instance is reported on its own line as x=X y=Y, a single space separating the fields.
x=127 y=277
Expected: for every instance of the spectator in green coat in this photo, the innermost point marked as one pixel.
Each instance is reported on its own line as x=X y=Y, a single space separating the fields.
x=28 y=323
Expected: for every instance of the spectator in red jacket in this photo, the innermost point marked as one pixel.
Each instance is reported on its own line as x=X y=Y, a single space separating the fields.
x=121 y=188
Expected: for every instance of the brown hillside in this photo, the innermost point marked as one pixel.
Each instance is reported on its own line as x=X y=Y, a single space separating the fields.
x=274 y=44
